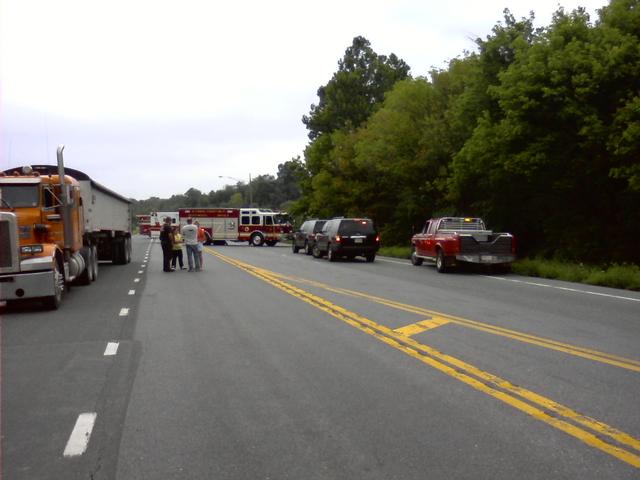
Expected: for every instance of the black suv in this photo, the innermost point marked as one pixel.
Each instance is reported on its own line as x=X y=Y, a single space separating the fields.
x=305 y=237
x=347 y=237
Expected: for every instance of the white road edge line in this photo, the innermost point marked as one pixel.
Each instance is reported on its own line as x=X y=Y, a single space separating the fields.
x=79 y=438
x=586 y=292
x=536 y=284
x=112 y=349
x=392 y=261
x=124 y=312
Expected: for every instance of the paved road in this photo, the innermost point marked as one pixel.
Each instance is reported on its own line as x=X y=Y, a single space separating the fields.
x=274 y=365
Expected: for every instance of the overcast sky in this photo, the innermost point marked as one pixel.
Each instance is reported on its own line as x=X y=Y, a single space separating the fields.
x=152 y=97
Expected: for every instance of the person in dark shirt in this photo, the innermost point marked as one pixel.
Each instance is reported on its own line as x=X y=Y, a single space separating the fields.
x=166 y=241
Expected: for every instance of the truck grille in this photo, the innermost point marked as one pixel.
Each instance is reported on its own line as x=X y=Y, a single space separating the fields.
x=6 y=257
x=9 y=259
x=497 y=246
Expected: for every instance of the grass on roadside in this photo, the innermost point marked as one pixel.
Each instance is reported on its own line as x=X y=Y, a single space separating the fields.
x=617 y=276
x=396 y=252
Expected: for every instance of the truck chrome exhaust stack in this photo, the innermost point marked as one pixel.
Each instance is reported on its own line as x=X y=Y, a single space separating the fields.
x=66 y=214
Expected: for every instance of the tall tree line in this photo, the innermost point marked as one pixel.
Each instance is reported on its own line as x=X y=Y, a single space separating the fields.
x=538 y=132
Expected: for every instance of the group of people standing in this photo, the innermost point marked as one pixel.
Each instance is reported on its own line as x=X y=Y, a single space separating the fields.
x=172 y=238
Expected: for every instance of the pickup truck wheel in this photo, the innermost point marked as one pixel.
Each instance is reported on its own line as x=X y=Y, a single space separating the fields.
x=415 y=260
x=441 y=264
x=307 y=248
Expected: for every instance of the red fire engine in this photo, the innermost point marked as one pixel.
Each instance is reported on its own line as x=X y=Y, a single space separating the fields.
x=144 y=224
x=253 y=225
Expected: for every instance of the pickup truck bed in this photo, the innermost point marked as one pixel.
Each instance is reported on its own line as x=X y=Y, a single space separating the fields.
x=449 y=241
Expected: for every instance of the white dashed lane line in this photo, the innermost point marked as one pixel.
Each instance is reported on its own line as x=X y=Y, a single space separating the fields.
x=112 y=349
x=132 y=292
x=136 y=280
x=79 y=438
x=124 y=312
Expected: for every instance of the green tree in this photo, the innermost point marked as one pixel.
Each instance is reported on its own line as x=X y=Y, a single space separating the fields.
x=355 y=90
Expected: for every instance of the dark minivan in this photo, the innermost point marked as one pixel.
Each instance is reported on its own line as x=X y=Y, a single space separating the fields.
x=305 y=237
x=347 y=237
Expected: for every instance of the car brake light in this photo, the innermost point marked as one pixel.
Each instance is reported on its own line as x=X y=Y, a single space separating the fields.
x=377 y=238
x=338 y=239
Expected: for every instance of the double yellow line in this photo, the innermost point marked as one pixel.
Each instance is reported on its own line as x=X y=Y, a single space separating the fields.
x=588 y=430
x=441 y=318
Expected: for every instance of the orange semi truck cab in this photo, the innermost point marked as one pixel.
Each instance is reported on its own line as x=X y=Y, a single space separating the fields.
x=55 y=226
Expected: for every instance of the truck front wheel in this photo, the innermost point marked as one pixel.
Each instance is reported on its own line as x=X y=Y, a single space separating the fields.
x=53 y=302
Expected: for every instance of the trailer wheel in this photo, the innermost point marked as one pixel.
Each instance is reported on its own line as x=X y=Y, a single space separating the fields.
x=127 y=250
x=257 y=239
x=94 y=264
x=117 y=251
x=415 y=260
x=53 y=302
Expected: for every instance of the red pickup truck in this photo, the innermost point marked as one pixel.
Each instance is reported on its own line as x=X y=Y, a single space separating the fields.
x=449 y=241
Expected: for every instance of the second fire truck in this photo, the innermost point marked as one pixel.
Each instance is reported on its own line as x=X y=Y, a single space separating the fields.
x=256 y=226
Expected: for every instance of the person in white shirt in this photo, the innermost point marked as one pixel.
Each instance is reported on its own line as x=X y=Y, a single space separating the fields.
x=190 y=235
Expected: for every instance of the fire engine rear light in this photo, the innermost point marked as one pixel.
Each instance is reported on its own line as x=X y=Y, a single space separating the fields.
x=31 y=249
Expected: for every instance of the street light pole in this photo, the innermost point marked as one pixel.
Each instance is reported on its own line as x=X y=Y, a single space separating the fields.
x=240 y=181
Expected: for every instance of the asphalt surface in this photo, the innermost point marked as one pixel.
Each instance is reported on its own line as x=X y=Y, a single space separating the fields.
x=270 y=364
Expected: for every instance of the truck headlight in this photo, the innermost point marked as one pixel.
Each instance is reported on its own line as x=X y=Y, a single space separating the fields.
x=31 y=249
